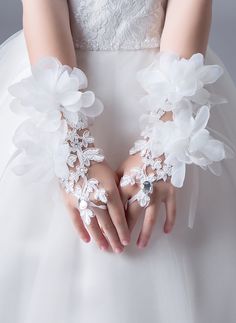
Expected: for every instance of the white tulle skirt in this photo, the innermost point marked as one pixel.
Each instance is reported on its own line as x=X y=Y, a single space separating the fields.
x=47 y=274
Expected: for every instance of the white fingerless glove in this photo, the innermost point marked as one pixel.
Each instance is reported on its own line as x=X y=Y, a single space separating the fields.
x=54 y=140
x=178 y=85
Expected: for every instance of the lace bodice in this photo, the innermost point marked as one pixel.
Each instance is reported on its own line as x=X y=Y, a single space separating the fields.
x=117 y=24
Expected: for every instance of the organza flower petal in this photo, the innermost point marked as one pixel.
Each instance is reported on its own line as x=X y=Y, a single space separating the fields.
x=19 y=109
x=72 y=117
x=21 y=169
x=51 y=122
x=199 y=140
x=66 y=83
x=87 y=99
x=217 y=99
x=209 y=74
x=95 y=110
x=197 y=60
x=46 y=72
x=165 y=61
x=183 y=116
x=25 y=131
x=179 y=149
x=215 y=168
x=178 y=174
x=18 y=90
x=80 y=75
x=214 y=150
x=151 y=102
x=201 y=97
x=70 y=98
x=201 y=119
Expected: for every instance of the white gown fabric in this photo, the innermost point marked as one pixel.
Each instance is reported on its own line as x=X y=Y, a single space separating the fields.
x=47 y=274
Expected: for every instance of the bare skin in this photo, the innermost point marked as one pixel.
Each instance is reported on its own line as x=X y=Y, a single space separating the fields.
x=162 y=192
x=184 y=33
x=109 y=227
x=47 y=31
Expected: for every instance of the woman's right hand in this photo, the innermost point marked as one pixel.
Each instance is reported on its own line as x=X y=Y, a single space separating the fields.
x=163 y=192
x=108 y=226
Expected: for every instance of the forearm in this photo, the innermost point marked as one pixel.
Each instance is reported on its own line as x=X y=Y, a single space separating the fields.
x=178 y=100
x=58 y=109
x=47 y=31
x=187 y=27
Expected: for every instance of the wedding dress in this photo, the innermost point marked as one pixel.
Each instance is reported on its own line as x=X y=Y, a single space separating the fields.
x=47 y=274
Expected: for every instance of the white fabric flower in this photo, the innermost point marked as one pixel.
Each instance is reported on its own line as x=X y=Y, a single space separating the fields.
x=50 y=142
x=178 y=85
x=186 y=141
x=43 y=155
x=169 y=80
x=54 y=91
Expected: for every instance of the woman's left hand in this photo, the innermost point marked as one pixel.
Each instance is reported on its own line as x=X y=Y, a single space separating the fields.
x=162 y=192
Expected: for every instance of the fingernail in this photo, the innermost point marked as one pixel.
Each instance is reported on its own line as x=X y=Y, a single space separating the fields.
x=167 y=230
x=86 y=240
x=142 y=244
x=103 y=248
x=125 y=242
x=118 y=250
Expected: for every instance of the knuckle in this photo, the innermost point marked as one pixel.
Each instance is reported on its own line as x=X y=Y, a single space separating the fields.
x=111 y=193
x=106 y=227
x=128 y=189
x=93 y=200
x=118 y=220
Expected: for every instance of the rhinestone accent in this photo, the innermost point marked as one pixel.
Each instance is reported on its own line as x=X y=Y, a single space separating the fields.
x=147 y=187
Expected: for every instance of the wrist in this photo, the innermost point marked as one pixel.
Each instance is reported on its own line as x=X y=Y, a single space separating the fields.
x=59 y=111
x=174 y=130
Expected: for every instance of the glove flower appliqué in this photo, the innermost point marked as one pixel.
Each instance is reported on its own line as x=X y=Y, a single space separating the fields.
x=54 y=140
x=170 y=80
x=54 y=91
x=176 y=85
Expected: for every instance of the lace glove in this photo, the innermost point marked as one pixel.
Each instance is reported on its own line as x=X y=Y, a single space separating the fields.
x=177 y=86
x=54 y=140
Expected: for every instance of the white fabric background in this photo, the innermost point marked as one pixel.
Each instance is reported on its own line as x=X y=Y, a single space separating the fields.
x=221 y=40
